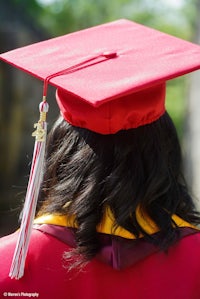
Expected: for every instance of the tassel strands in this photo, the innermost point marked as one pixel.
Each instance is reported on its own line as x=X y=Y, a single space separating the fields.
x=35 y=179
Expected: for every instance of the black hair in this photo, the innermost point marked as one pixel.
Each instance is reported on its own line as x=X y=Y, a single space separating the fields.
x=136 y=167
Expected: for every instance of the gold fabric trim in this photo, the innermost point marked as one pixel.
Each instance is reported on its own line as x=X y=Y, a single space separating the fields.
x=108 y=221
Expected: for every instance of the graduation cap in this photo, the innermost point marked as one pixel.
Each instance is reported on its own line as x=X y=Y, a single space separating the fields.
x=109 y=78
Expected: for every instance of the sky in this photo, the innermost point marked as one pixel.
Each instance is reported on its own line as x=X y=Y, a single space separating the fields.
x=172 y=3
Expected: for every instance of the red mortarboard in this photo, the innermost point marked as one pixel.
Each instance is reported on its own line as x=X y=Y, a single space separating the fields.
x=109 y=77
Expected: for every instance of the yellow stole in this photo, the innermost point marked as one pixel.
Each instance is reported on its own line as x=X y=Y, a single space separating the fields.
x=108 y=221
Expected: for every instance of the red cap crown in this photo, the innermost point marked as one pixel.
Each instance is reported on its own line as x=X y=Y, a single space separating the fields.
x=130 y=111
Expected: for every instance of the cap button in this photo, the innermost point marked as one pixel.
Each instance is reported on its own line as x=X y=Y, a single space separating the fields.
x=109 y=54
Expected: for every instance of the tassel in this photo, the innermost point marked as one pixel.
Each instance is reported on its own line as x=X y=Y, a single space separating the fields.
x=35 y=179
x=36 y=175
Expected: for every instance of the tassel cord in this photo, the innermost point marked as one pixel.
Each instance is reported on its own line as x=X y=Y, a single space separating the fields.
x=35 y=179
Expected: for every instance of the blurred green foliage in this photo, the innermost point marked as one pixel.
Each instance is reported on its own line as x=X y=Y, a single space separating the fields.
x=176 y=103
x=62 y=16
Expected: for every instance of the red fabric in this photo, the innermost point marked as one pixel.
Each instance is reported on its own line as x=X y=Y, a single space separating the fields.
x=174 y=276
x=145 y=57
x=109 y=92
x=124 y=113
x=118 y=252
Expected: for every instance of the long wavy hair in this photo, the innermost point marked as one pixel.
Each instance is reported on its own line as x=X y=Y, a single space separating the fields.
x=86 y=171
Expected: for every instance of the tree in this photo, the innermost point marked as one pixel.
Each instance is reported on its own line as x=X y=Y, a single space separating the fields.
x=192 y=135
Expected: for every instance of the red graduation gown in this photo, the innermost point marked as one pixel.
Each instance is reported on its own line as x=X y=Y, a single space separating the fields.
x=157 y=275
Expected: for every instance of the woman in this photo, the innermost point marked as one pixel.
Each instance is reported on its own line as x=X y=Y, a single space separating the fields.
x=114 y=217
x=130 y=187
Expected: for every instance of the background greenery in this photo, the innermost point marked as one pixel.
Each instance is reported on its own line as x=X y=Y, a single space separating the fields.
x=23 y=22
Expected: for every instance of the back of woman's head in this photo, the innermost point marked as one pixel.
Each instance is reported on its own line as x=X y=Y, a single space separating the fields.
x=86 y=171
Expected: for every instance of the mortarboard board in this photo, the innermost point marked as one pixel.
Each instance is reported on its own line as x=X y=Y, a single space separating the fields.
x=109 y=78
